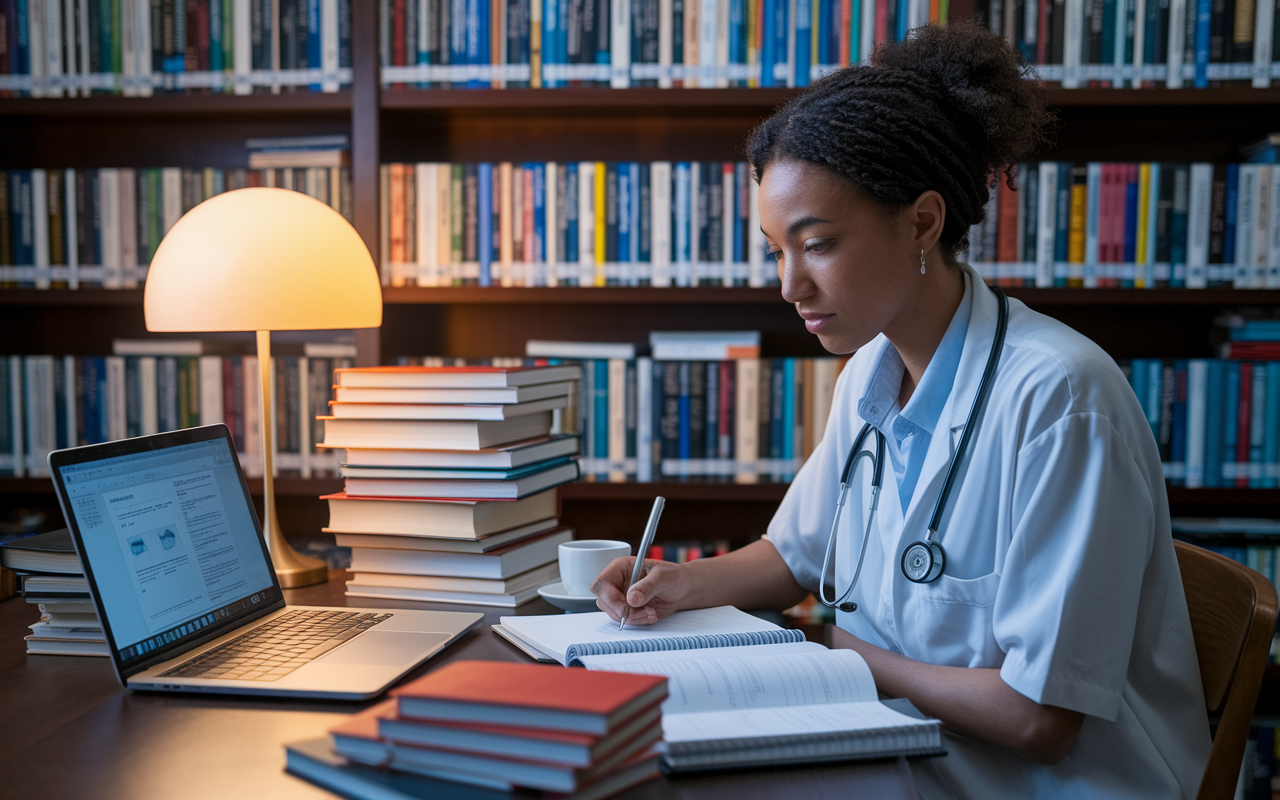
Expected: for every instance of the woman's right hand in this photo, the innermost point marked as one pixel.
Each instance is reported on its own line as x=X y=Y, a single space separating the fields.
x=657 y=594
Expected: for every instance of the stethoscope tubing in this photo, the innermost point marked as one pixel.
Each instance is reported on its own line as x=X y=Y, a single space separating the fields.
x=857 y=452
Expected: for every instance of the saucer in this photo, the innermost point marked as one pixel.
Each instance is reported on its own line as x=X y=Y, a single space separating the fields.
x=555 y=594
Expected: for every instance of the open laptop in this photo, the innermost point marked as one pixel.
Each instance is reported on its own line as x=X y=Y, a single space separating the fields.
x=179 y=572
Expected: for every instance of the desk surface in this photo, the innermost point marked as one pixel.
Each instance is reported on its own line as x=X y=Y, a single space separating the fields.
x=69 y=730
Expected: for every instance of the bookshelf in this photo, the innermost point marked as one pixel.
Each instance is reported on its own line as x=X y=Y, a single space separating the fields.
x=392 y=124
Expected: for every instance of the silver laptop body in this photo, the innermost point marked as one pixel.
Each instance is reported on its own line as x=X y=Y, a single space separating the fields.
x=180 y=575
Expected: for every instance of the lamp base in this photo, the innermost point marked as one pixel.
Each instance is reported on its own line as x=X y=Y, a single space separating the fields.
x=307 y=572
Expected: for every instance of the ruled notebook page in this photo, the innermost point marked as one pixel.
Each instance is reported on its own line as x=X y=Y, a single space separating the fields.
x=700 y=731
x=567 y=636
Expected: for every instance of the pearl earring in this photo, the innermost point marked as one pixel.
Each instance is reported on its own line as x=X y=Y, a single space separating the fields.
x=921 y=262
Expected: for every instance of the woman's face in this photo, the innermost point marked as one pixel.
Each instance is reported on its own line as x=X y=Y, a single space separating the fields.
x=849 y=267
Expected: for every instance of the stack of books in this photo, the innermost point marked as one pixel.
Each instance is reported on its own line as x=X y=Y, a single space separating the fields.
x=49 y=575
x=492 y=728
x=450 y=476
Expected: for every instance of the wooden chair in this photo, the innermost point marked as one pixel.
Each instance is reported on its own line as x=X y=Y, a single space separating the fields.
x=1233 y=616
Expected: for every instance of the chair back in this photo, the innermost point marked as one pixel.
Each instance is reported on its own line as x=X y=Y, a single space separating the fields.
x=1233 y=617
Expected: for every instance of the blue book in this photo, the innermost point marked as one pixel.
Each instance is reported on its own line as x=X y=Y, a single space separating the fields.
x=1230 y=271
x=94 y=420
x=789 y=413
x=570 y=254
x=1062 y=224
x=1258 y=423
x=904 y=10
x=737 y=38
x=22 y=218
x=550 y=39
x=686 y=436
x=217 y=60
x=802 y=45
x=1213 y=441
x=777 y=399
x=769 y=13
x=22 y=54
x=741 y=185
x=637 y=197
x=600 y=412
x=1138 y=380
x=1228 y=423
x=1271 y=431
x=644 y=227
x=484 y=219
x=314 y=57
x=478 y=46
x=1204 y=18
x=1131 y=223
x=1155 y=390
x=539 y=172
x=681 y=239
x=823 y=24
x=622 y=251
x=1178 y=436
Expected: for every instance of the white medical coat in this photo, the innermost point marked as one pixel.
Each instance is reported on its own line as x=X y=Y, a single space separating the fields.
x=1060 y=568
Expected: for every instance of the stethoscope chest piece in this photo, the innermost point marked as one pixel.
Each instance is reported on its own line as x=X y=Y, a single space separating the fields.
x=923 y=562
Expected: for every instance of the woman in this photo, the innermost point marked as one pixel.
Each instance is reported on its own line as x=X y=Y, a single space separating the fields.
x=1055 y=645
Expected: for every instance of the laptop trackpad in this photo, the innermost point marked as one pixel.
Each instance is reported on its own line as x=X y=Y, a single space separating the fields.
x=385 y=648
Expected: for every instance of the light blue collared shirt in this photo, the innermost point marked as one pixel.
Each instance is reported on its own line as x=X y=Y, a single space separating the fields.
x=907 y=431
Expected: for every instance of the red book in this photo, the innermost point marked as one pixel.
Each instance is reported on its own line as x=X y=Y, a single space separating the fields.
x=725 y=420
x=1007 y=234
x=1242 y=425
x=530 y=695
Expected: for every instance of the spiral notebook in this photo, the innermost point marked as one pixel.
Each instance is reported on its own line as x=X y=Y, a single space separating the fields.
x=566 y=638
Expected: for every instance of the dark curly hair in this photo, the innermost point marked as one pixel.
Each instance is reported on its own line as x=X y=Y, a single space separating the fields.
x=947 y=109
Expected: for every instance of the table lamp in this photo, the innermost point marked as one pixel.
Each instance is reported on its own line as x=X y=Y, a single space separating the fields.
x=261 y=260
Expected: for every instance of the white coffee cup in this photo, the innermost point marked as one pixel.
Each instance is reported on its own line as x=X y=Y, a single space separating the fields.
x=582 y=561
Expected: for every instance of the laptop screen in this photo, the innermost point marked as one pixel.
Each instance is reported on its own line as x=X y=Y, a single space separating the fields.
x=170 y=543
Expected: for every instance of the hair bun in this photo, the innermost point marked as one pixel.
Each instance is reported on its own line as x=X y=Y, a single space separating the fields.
x=982 y=83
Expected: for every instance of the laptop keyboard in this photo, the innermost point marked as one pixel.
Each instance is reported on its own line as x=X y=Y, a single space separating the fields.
x=271 y=651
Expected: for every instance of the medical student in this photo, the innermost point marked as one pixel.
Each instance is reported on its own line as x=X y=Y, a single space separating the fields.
x=1055 y=643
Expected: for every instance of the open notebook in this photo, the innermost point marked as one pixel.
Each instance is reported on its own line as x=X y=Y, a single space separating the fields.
x=742 y=692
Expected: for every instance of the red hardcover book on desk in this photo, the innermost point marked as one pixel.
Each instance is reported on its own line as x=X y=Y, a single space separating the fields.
x=530 y=695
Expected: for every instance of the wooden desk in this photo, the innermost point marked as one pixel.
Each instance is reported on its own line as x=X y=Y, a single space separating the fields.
x=69 y=730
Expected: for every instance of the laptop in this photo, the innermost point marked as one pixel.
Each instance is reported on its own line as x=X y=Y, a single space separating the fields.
x=180 y=575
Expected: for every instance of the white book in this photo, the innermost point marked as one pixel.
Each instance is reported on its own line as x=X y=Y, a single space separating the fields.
x=1093 y=193
x=1264 y=18
x=499 y=564
x=1046 y=216
x=867 y=34
x=1116 y=56
x=505 y=600
x=551 y=239
x=620 y=44
x=444 y=220
x=1246 y=226
x=17 y=418
x=40 y=226
x=129 y=227
x=1073 y=38
x=773 y=703
x=128 y=78
x=428 y=247
x=1177 y=41
x=36 y=45
x=148 y=411
x=69 y=416
x=692 y=266
x=53 y=46
x=142 y=36
x=756 y=247
x=708 y=42
x=1262 y=226
x=644 y=419
x=1273 y=230
x=41 y=421
x=633 y=278
x=1139 y=40
x=1198 y=226
x=242 y=46
x=117 y=415
x=109 y=186
x=586 y=223
x=171 y=195
x=1197 y=393
x=211 y=410
x=329 y=43
x=660 y=229
x=70 y=225
x=665 y=41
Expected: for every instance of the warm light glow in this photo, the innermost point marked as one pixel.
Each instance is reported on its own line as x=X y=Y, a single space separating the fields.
x=262 y=260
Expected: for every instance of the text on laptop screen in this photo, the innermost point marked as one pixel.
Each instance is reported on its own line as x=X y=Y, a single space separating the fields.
x=170 y=539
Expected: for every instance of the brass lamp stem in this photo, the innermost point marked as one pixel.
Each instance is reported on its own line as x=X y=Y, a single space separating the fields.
x=292 y=568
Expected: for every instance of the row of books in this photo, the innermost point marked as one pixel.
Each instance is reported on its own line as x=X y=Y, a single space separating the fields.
x=51 y=402
x=590 y=223
x=744 y=419
x=1133 y=225
x=73 y=228
x=1217 y=422
x=64 y=48
x=722 y=43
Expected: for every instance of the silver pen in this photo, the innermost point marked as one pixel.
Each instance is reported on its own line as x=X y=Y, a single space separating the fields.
x=645 y=541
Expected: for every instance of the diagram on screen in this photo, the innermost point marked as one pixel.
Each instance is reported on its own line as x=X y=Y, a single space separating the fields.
x=138 y=546
x=168 y=539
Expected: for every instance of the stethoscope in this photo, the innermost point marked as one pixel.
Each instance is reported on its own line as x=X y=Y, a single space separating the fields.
x=924 y=560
